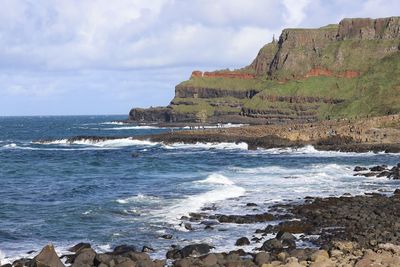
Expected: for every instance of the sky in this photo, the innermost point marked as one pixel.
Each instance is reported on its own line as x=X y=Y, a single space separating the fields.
x=76 y=57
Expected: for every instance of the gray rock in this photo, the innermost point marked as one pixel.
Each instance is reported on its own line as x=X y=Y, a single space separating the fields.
x=85 y=258
x=47 y=258
x=272 y=244
x=243 y=241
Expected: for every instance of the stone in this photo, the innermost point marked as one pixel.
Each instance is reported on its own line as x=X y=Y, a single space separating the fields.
x=166 y=236
x=124 y=249
x=127 y=263
x=319 y=255
x=147 y=249
x=195 y=250
x=261 y=258
x=282 y=256
x=46 y=258
x=85 y=257
x=138 y=256
x=79 y=247
x=210 y=260
x=272 y=244
x=243 y=241
x=359 y=169
x=378 y=168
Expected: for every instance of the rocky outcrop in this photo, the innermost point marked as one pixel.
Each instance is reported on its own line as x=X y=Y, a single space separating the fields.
x=350 y=52
x=223 y=74
x=201 y=92
x=369 y=29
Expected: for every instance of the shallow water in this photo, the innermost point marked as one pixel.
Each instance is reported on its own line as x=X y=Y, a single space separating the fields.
x=97 y=192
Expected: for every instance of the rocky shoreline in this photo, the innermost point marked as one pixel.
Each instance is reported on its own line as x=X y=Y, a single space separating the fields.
x=343 y=231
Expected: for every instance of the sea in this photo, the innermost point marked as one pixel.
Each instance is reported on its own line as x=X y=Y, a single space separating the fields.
x=126 y=191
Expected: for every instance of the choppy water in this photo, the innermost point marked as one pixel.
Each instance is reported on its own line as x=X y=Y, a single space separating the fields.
x=97 y=192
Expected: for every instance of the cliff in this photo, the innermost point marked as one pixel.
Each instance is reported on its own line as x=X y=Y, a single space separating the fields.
x=341 y=70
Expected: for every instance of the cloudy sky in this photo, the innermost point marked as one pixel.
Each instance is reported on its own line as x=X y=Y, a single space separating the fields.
x=104 y=57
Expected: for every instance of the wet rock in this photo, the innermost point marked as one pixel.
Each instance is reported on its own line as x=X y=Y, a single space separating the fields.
x=384 y=174
x=378 y=168
x=251 y=205
x=294 y=227
x=147 y=249
x=166 y=236
x=249 y=218
x=359 y=169
x=173 y=253
x=122 y=249
x=6 y=265
x=79 y=247
x=396 y=192
x=21 y=262
x=243 y=241
x=46 y=258
x=272 y=244
x=195 y=250
x=188 y=226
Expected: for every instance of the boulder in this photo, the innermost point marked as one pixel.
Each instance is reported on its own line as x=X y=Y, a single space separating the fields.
x=122 y=249
x=378 y=168
x=272 y=244
x=210 y=260
x=243 y=241
x=47 y=258
x=359 y=169
x=79 y=247
x=195 y=250
x=85 y=258
x=261 y=258
x=166 y=236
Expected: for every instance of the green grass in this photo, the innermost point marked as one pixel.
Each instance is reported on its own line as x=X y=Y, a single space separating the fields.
x=225 y=83
x=377 y=91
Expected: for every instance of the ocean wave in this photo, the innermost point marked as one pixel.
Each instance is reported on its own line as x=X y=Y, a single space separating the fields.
x=120 y=142
x=132 y=128
x=113 y=123
x=216 y=178
x=223 y=145
x=311 y=151
x=140 y=198
x=222 y=189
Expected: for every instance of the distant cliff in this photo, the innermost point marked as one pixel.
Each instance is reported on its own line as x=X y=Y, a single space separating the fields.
x=341 y=70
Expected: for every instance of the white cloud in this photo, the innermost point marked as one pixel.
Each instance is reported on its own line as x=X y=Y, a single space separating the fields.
x=114 y=47
x=295 y=12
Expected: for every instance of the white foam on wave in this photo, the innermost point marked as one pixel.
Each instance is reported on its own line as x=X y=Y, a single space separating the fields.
x=206 y=146
x=120 y=142
x=310 y=150
x=12 y=145
x=2 y=256
x=113 y=123
x=144 y=127
x=139 y=198
x=216 y=178
x=194 y=203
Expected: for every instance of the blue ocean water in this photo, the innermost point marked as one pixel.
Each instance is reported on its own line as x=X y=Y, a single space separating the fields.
x=98 y=192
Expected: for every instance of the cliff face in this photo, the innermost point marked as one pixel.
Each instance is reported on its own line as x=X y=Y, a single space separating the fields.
x=308 y=74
